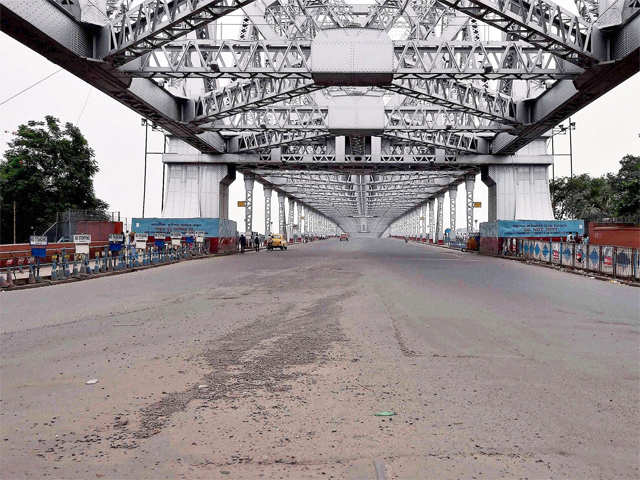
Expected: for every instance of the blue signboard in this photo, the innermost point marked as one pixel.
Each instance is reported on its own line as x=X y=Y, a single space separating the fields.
x=115 y=242
x=38 y=246
x=163 y=227
x=532 y=228
x=38 y=252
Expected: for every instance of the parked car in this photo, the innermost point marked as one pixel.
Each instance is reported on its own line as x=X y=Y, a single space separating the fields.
x=277 y=241
x=344 y=236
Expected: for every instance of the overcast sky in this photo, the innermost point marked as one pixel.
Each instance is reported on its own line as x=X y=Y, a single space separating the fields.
x=605 y=131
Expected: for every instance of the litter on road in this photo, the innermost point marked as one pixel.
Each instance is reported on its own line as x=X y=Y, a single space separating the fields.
x=92 y=381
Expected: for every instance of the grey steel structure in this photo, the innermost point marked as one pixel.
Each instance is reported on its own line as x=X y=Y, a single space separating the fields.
x=362 y=116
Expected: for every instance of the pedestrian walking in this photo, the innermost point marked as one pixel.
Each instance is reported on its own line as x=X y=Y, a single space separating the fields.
x=243 y=243
x=256 y=243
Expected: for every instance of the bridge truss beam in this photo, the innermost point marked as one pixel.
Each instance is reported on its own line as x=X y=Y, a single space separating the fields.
x=313 y=118
x=292 y=59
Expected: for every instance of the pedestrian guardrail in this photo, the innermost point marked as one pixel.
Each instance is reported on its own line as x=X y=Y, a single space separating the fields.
x=74 y=265
x=618 y=262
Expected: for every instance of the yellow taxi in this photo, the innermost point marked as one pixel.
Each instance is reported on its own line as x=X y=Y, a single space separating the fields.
x=277 y=241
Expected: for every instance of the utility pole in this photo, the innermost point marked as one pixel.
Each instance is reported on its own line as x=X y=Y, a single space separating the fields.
x=2 y=181
x=14 y=222
x=553 y=157
x=572 y=126
x=164 y=150
x=144 y=183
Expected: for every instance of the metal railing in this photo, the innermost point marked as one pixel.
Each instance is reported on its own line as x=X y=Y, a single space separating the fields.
x=617 y=262
x=74 y=265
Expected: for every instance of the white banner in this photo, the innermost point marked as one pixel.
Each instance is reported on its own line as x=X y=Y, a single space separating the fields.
x=83 y=238
x=176 y=239
x=38 y=241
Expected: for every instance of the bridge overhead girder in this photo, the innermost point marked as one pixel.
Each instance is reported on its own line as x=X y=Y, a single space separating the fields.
x=454 y=99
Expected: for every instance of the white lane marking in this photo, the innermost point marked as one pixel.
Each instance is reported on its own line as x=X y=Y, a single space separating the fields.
x=380 y=472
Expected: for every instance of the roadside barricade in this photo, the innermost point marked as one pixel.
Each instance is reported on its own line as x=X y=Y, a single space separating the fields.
x=618 y=262
x=65 y=265
x=545 y=251
x=580 y=256
x=624 y=262
x=567 y=256
x=593 y=258
x=556 y=253
x=606 y=259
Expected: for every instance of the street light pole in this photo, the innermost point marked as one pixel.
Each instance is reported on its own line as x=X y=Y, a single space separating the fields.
x=572 y=125
x=2 y=182
x=144 y=184
x=553 y=157
x=164 y=150
x=14 y=222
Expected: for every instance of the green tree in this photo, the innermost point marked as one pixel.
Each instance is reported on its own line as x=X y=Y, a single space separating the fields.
x=46 y=169
x=611 y=196
x=580 y=197
x=625 y=187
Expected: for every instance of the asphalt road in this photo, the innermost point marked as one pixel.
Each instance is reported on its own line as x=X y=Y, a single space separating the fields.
x=273 y=365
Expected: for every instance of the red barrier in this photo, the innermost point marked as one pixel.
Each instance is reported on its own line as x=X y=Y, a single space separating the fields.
x=23 y=251
x=490 y=245
x=99 y=230
x=621 y=235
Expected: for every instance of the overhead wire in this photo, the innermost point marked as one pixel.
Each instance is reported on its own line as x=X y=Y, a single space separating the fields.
x=15 y=95
x=86 y=100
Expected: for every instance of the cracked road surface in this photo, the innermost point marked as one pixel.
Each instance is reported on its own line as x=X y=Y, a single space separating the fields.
x=272 y=365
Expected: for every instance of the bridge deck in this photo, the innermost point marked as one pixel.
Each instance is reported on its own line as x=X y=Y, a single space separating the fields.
x=492 y=366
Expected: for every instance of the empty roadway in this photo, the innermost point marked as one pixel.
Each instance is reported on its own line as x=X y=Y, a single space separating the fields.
x=273 y=365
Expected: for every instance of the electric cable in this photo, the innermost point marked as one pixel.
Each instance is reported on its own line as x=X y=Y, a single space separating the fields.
x=29 y=87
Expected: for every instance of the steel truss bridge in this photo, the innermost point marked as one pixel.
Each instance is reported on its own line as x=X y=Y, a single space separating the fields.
x=361 y=114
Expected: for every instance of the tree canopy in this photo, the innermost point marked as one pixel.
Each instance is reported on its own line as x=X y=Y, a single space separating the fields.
x=611 y=196
x=46 y=169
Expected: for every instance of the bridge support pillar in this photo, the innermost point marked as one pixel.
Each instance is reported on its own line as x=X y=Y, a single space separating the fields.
x=313 y=223
x=423 y=221
x=195 y=189
x=249 y=180
x=291 y=212
x=432 y=222
x=440 y=220
x=281 y=214
x=268 y=193
x=518 y=192
x=453 y=199
x=302 y=220
x=469 y=183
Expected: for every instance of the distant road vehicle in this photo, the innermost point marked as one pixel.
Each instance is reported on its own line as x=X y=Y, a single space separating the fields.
x=277 y=241
x=344 y=236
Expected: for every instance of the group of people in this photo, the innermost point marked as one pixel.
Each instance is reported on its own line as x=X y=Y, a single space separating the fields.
x=253 y=242
x=575 y=238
